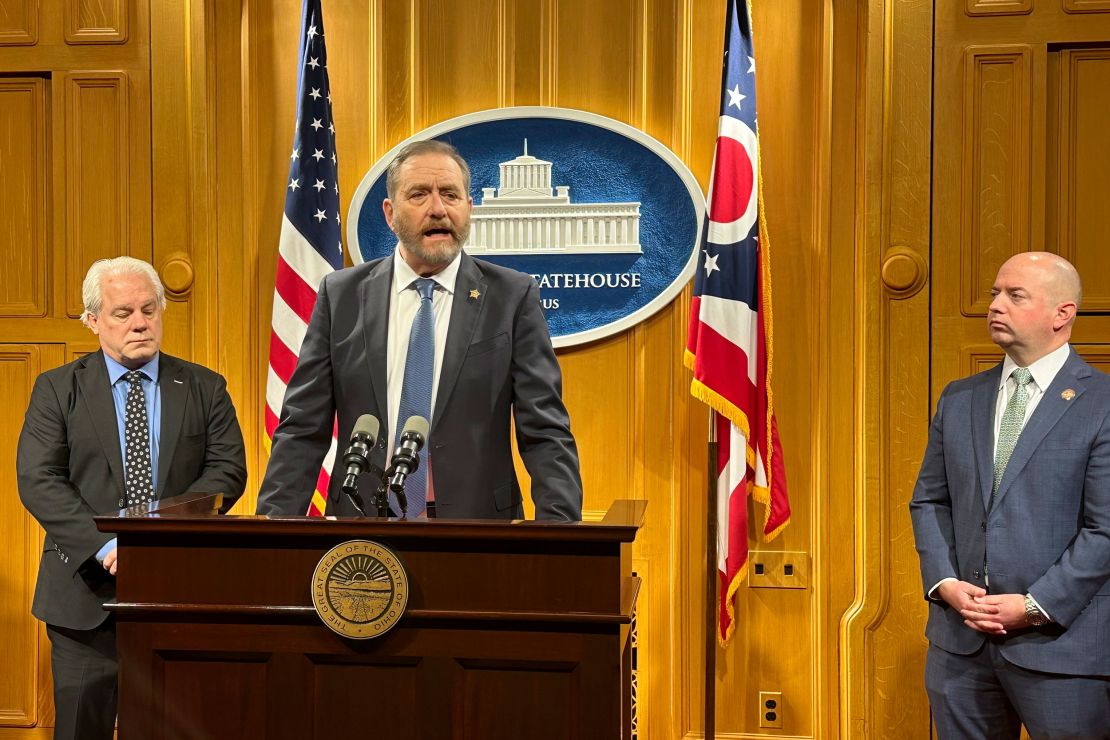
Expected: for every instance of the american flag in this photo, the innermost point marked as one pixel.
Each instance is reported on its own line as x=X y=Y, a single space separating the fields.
x=311 y=245
x=729 y=342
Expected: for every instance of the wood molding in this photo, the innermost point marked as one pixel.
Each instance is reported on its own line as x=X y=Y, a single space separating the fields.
x=96 y=22
x=889 y=369
x=997 y=161
x=24 y=242
x=1086 y=6
x=998 y=7
x=98 y=163
x=1096 y=355
x=20 y=365
x=21 y=27
x=1081 y=158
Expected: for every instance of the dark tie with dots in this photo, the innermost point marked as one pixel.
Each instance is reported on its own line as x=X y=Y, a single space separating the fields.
x=138 y=483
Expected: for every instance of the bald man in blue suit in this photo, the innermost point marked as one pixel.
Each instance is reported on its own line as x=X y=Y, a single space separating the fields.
x=1011 y=517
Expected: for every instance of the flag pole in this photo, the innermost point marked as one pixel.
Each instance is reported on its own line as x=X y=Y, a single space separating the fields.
x=711 y=588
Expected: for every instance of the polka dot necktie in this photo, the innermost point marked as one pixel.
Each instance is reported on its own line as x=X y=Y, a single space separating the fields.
x=1013 y=419
x=138 y=483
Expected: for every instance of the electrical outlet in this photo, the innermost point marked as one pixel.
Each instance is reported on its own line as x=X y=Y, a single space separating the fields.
x=770 y=709
x=775 y=569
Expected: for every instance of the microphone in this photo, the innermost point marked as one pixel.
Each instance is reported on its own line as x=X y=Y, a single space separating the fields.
x=406 y=458
x=363 y=438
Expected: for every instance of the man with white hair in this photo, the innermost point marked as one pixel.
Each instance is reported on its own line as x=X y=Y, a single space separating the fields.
x=119 y=427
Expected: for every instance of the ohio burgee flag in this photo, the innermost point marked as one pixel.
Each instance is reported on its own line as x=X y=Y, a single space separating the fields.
x=729 y=342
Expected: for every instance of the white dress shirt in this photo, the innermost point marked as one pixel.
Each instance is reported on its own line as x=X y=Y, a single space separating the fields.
x=1044 y=371
x=403 y=305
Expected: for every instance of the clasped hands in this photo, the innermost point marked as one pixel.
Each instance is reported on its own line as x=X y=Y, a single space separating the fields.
x=991 y=614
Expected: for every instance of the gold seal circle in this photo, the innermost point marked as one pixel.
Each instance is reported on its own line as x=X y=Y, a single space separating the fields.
x=360 y=589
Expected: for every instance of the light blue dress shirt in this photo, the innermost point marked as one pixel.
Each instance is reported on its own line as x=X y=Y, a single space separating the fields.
x=120 y=388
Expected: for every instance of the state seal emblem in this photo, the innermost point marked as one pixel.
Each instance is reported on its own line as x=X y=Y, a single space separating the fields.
x=605 y=218
x=360 y=589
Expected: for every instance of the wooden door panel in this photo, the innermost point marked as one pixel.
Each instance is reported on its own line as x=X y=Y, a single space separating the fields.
x=75 y=149
x=23 y=230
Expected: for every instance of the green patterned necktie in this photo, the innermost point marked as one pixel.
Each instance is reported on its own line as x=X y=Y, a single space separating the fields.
x=1012 y=420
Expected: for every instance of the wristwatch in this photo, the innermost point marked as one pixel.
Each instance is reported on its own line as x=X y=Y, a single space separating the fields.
x=1033 y=613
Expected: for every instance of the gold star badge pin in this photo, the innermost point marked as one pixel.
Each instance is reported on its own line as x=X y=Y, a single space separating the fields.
x=474 y=294
x=1067 y=394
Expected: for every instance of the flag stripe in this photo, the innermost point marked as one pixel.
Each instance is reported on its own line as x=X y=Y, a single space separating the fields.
x=275 y=392
x=300 y=254
x=294 y=292
x=283 y=360
x=287 y=325
x=271 y=423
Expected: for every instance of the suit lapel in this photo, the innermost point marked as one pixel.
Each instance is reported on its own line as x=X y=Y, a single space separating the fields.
x=92 y=378
x=464 y=320
x=983 y=402
x=1048 y=413
x=173 y=385
x=374 y=295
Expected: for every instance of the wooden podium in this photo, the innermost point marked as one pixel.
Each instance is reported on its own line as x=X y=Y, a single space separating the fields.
x=514 y=630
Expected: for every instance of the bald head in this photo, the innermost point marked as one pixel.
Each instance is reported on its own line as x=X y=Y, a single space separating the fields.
x=1060 y=278
x=1036 y=296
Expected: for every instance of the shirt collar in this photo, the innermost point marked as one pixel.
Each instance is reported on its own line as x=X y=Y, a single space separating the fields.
x=117 y=371
x=404 y=276
x=1044 y=370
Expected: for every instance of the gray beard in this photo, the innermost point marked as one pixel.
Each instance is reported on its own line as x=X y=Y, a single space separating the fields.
x=439 y=257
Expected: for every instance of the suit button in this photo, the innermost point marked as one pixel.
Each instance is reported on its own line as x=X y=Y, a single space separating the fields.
x=975 y=574
x=983 y=526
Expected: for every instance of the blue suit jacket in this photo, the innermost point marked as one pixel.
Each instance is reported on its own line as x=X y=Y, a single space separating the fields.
x=1048 y=532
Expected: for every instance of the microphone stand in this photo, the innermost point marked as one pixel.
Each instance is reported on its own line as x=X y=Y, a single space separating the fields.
x=381 y=499
x=356 y=500
x=350 y=489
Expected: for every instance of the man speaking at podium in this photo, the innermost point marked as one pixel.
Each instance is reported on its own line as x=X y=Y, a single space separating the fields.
x=119 y=427
x=434 y=333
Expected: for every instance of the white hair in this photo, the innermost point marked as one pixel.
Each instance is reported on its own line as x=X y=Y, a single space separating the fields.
x=92 y=290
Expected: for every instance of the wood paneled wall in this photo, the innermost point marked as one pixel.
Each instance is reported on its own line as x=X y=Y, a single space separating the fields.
x=161 y=128
x=74 y=187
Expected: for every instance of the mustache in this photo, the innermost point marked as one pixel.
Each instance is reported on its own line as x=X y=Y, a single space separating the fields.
x=443 y=225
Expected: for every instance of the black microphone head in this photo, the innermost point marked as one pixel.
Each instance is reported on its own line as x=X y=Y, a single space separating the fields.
x=367 y=425
x=416 y=425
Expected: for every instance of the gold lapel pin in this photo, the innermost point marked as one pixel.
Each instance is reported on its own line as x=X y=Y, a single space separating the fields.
x=1067 y=394
x=474 y=294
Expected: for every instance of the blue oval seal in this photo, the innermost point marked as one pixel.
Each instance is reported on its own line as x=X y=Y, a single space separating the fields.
x=603 y=216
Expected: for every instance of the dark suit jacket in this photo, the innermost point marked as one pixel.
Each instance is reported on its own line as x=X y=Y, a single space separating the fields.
x=70 y=469
x=498 y=362
x=1048 y=532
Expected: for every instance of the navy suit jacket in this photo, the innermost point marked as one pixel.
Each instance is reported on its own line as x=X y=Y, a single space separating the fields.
x=498 y=367
x=1048 y=531
x=70 y=469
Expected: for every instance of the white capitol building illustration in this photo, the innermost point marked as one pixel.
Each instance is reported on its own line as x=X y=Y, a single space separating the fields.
x=524 y=216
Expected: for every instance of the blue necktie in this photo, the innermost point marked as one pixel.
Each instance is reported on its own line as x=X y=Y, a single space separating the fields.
x=416 y=393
